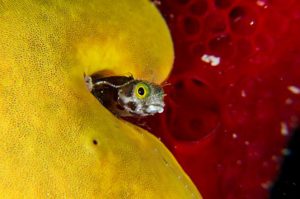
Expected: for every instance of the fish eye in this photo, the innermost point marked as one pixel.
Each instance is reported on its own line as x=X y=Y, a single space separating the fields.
x=142 y=90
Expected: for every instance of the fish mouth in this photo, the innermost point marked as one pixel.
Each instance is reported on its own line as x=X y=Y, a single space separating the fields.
x=155 y=108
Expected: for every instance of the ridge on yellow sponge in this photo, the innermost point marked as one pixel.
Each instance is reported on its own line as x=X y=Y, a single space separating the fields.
x=56 y=139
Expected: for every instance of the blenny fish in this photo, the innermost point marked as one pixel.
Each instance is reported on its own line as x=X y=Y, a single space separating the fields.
x=127 y=97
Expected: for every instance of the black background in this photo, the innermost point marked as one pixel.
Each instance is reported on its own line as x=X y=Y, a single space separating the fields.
x=287 y=184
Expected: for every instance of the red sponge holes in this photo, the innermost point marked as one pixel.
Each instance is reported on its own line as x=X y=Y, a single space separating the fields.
x=193 y=110
x=234 y=97
x=230 y=29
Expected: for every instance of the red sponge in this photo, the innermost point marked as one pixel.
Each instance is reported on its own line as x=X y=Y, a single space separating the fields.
x=234 y=97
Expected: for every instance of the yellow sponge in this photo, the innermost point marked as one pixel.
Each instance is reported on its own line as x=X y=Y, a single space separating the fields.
x=56 y=139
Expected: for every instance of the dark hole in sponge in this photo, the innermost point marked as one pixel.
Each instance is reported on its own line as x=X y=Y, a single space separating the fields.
x=194 y=112
x=179 y=85
x=95 y=142
x=191 y=25
x=198 y=82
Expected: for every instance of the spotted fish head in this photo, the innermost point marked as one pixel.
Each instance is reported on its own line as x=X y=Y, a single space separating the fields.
x=141 y=98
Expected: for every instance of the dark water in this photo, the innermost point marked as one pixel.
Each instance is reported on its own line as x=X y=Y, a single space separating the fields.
x=288 y=183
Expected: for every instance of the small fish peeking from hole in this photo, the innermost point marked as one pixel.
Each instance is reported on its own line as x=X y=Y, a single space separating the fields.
x=127 y=97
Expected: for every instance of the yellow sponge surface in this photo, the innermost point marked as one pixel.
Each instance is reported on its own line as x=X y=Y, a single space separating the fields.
x=57 y=140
